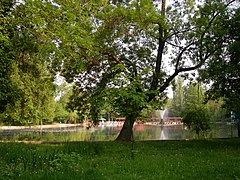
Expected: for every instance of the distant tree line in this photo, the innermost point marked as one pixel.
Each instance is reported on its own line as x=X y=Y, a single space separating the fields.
x=191 y=102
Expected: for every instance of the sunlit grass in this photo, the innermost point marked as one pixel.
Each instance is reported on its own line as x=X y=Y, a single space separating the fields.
x=199 y=159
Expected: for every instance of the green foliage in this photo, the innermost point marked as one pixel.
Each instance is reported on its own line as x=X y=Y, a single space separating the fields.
x=62 y=113
x=217 y=111
x=189 y=102
x=29 y=72
x=196 y=114
x=129 y=102
x=177 y=104
x=8 y=90
x=37 y=101
x=194 y=95
x=223 y=69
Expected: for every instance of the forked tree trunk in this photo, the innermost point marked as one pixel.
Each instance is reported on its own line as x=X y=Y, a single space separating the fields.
x=126 y=133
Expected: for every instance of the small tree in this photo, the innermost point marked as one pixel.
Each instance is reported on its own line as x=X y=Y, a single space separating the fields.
x=196 y=113
x=197 y=119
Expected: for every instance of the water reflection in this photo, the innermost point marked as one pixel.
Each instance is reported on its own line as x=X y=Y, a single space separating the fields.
x=101 y=133
x=170 y=132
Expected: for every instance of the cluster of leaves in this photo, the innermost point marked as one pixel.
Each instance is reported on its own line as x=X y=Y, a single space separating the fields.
x=197 y=119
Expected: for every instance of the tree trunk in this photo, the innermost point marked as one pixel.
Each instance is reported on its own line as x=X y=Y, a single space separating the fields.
x=126 y=133
x=160 y=51
x=238 y=128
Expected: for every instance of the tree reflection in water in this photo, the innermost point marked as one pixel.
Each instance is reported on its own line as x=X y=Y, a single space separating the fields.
x=101 y=133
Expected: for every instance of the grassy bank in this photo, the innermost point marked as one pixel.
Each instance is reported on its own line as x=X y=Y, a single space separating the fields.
x=202 y=159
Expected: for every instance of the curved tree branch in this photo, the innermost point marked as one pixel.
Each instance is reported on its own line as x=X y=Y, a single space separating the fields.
x=114 y=57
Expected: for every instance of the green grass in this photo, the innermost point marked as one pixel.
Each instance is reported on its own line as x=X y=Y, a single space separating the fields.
x=198 y=159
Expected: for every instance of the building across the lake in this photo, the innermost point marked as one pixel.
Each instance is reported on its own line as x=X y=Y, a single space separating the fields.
x=165 y=121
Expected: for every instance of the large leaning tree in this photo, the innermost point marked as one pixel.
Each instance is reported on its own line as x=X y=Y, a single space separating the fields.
x=131 y=38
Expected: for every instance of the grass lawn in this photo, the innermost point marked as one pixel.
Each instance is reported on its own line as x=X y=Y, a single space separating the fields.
x=197 y=159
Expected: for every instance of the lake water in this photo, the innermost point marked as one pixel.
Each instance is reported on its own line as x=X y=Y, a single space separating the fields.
x=141 y=132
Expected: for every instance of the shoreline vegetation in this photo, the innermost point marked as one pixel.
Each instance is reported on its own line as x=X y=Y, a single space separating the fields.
x=61 y=125
x=37 y=127
x=105 y=132
x=193 y=159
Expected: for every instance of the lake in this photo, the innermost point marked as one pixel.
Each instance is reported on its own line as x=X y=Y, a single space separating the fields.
x=106 y=133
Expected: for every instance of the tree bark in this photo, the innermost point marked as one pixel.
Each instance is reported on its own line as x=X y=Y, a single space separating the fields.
x=126 y=133
x=238 y=128
x=161 y=45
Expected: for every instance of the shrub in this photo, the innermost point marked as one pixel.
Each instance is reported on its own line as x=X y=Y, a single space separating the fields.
x=197 y=119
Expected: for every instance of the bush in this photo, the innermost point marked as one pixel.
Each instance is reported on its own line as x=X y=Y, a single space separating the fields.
x=197 y=119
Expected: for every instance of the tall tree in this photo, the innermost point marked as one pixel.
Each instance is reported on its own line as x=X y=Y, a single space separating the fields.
x=130 y=40
x=196 y=113
x=177 y=104
x=223 y=68
x=29 y=69
x=62 y=112
x=8 y=90
x=116 y=48
x=194 y=95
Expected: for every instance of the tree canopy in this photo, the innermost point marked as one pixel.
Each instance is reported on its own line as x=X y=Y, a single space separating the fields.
x=8 y=90
x=24 y=68
x=223 y=69
x=131 y=41
x=125 y=53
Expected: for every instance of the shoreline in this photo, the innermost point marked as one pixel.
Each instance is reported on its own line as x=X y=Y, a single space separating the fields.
x=39 y=127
